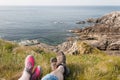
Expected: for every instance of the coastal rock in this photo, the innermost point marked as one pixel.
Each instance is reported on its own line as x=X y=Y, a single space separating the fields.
x=108 y=24
x=104 y=33
x=75 y=30
x=111 y=19
x=114 y=46
x=102 y=45
x=29 y=42
x=64 y=46
x=81 y=22
x=91 y=20
x=80 y=47
x=46 y=47
x=85 y=37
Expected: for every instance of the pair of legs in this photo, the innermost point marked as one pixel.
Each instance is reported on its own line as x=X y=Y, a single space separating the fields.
x=58 y=66
x=27 y=72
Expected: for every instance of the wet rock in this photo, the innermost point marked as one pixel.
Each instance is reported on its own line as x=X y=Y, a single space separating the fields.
x=75 y=30
x=81 y=22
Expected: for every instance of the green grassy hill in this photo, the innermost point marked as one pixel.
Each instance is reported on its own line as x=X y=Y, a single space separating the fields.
x=83 y=67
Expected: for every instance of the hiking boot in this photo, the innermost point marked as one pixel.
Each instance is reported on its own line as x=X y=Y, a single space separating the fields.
x=53 y=62
x=61 y=58
x=36 y=74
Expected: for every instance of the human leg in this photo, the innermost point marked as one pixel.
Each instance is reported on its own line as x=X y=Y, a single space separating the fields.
x=59 y=72
x=29 y=64
x=36 y=74
x=61 y=60
x=58 y=60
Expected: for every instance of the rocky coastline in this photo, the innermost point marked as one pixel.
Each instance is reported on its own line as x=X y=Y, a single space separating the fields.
x=103 y=34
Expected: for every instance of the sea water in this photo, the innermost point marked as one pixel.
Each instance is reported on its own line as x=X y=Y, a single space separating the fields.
x=48 y=24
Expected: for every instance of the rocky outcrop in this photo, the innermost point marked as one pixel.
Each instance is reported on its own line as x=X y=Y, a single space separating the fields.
x=64 y=46
x=76 y=30
x=29 y=42
x=104 y=33
x=114 y=46
x=108 y=24
x=80 y=47
x=111 y=19
x=81 y=22
x=91 y=20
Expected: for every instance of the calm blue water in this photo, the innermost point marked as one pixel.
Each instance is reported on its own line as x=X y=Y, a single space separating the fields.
x=47 y=24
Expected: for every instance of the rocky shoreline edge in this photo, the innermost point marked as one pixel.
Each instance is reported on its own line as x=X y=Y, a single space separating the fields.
x=103 y=34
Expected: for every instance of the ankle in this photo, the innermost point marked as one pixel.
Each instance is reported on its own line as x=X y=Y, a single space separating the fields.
x=25 y=76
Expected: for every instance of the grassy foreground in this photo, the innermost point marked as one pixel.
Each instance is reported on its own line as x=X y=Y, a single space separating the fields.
x=83 y=67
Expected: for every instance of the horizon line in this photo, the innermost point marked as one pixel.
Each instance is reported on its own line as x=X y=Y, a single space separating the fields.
x=59 y=5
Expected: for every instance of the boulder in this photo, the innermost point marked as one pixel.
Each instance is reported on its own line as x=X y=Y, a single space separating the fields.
x=75 y=30
x=114 y=46
x=80 y=47
x=64 y=46
x=112 y=19
x=91 y=20
x=102 y=45
x=81 y=22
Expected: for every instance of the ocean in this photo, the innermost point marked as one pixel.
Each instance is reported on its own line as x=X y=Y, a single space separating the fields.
x=48 y=24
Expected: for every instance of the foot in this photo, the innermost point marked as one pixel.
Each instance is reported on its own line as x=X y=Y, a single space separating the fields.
x=29 y=63
x=66 y=70
x=36 y=74
x=61 y=58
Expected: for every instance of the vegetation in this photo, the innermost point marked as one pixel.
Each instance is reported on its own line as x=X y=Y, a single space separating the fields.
x=83 y=67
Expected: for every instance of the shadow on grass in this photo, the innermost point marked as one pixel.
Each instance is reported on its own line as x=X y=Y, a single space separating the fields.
x=76 y=72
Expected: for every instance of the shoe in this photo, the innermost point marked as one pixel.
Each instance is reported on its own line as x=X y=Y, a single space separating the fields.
x=36 y=74
x=61 y=58
x=29 y=63
x=53 y=62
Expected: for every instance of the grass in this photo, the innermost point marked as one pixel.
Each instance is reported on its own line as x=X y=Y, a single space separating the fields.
x=83 y=67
